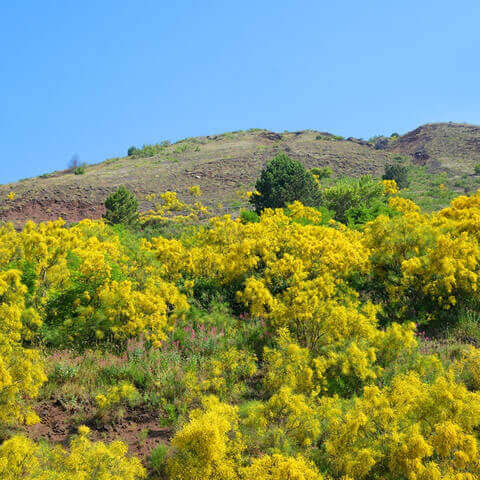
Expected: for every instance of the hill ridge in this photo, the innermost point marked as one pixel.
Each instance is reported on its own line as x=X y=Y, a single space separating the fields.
x=224 y=163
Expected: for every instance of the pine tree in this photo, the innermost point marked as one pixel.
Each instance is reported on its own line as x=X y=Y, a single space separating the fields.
x=122 y=207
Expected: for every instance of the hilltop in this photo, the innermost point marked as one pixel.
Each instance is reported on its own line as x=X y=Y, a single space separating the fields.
x=223 y=164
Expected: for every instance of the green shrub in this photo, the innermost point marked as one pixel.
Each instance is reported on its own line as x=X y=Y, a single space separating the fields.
x=329 y=137
x=122 y=207
x=360 y=215
x=181 y=148
x=362 y=194
x=283 y=181
x=148 y=150
x=248 y=216
x=321 y=172
x=476 y=169
x=79 y=170
x=157 y=459
x=397 y=171
x=132 y=151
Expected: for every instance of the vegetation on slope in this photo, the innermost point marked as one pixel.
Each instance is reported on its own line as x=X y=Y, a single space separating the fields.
x=223 y=164
x=287 y=344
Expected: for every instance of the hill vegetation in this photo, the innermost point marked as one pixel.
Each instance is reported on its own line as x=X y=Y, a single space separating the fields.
x=331 y=341
x=328 y=329
x=223 y=164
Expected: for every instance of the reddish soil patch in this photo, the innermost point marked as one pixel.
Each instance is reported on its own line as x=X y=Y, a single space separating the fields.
x=72 y=211
x=56 y=426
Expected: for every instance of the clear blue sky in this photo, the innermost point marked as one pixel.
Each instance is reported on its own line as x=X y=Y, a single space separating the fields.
x=93 y=77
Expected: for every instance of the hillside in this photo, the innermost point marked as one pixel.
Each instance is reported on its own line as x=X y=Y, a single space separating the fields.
x=223 y=164
x=451 y=147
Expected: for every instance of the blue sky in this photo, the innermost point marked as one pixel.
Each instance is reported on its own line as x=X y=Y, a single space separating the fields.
x=93 y=77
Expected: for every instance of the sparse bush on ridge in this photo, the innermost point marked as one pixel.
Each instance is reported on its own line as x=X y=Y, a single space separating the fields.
x=80 y=170
x=148 y=150
x=329 y=137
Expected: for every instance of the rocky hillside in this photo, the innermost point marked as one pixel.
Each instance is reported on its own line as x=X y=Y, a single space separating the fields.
x=451 y=147
x=223 y=164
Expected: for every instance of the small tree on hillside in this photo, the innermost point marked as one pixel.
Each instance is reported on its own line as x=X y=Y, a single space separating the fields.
x=132 y=151
x=122 y=207
x=397 y=171
x=283 y=181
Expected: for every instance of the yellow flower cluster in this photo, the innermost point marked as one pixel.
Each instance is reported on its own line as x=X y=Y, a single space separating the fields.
x=124 y=392
x=171 y=208
x=390 y=187
x=72 y=282
x=434 y=259
x=211 y=447
x=280 y=467
x=21 y=458
x=21 y=371
x=409 y=430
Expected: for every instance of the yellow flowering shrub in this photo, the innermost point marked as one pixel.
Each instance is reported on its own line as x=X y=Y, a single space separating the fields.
x=407 y=430
x=422 y=264
x=447 y=272
x=286 y=420
x=128 y=312
x=404 y=205
x=21 y=369
x=82 y=283
x=21 y=458
x=209 y=446
x=468 y=368
x=298 y=211
x=463 y=215
x=124 y=392
x=228 y=372
x=290 y=365
x=281 y=467
x=170 y=208
x=390 y=187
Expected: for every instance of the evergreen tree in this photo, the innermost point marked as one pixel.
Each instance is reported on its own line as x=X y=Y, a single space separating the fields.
x=122 y=207
x=397 y=171
x=282 y=182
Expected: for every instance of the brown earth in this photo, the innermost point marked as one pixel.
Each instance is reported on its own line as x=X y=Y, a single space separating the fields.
x=139 y=429
x=223 y=164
